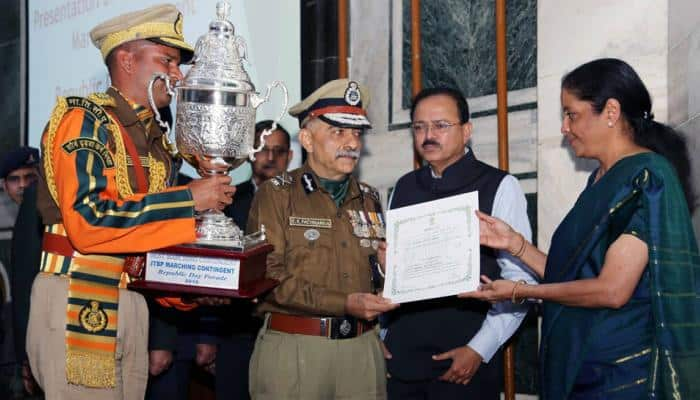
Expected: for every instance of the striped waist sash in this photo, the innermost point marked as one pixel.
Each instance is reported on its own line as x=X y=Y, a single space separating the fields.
x=91 y=315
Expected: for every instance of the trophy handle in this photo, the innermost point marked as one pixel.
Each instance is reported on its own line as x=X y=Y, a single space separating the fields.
x=257 y=101
x=168 y=87
x=242 y=47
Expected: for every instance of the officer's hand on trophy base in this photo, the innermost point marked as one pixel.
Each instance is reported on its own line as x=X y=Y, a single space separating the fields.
x=212 y=193
x=159 y=361
x=367 y=305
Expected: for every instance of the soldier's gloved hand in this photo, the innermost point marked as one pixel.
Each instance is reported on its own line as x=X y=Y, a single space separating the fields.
x=159 y=361
x=367 y=305
x=212 y=193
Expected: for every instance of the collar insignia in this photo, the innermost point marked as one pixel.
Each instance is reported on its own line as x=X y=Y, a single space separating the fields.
x=307 y=181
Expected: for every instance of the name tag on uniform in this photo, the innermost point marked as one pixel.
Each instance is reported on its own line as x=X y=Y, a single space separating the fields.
x=324 y=223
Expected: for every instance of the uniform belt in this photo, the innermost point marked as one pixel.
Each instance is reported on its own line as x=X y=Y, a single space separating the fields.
x=330 y=327
x=57 y=244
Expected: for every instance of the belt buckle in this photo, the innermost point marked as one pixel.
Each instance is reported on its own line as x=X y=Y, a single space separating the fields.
x=343 y=328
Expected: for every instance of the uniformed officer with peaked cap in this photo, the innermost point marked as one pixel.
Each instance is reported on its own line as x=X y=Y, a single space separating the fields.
x=319 y=339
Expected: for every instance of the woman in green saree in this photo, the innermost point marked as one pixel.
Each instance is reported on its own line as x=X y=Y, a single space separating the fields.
x=621 y=300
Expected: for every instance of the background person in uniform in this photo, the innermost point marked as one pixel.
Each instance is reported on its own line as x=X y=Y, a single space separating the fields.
x=105 y=192
x=318 y=341
x=620 y=283
x=447 y=348
x=239 y=325
x=19 y=171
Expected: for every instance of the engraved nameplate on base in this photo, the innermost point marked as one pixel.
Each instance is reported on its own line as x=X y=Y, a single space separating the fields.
x=203 y=270
x=214 y=272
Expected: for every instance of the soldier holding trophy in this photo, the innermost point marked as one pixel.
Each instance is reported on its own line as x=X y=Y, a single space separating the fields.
x=106 y=191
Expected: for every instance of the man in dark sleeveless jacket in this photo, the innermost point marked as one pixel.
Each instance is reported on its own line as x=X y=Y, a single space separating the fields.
x=445 y=348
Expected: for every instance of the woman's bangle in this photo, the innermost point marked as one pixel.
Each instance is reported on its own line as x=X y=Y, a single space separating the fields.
x=521 y=250
x=512 y=296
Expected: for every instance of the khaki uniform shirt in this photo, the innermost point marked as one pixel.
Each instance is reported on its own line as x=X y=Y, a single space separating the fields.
x=319 y=256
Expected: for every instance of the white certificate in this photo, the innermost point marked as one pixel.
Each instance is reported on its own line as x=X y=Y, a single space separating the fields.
x=433 y=249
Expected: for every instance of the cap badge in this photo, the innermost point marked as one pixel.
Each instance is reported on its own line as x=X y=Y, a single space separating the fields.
x=352 y=94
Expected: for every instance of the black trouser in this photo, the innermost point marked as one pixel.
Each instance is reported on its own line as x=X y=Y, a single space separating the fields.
x=485 y=385
x=232 y=362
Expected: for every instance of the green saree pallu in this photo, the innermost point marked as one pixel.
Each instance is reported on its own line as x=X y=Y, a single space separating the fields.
x=650 y=347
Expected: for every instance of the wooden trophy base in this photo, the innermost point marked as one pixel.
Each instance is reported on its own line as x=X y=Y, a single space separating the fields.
x=202 y=270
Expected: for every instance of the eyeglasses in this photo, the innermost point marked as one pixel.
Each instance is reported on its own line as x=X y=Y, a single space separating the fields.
x=438 y=127
x=274 y=152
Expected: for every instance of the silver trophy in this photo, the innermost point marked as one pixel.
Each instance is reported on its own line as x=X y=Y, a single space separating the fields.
x=215 y=117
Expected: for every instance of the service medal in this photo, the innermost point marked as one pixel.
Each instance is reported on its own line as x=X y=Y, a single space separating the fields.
x=355 y=221
x=365 y=225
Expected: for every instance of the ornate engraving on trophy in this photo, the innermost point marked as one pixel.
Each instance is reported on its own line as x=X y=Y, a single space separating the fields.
x=215 y=130
x=215 y=117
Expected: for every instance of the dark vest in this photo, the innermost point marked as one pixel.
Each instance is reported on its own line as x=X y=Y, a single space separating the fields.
x=422 y=329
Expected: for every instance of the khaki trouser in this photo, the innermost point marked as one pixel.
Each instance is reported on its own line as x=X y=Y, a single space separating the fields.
x=286 y=366
x=46 y=345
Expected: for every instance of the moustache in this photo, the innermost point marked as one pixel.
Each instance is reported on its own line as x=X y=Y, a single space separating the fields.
x=354 y=154
x=429 y=142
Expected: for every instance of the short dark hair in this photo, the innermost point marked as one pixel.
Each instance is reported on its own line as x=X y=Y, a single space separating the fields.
x=267 y=124
x=455 y=94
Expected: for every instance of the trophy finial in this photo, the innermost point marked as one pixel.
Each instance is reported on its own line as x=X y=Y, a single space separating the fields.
x=222 y=10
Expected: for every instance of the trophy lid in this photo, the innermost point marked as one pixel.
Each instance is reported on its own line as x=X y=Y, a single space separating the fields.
x=218 y=57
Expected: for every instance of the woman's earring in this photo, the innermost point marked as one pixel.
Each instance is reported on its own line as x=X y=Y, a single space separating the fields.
x=610 y=124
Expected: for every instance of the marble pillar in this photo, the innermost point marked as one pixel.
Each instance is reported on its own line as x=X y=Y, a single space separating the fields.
x=684 y=80
x=571 y=33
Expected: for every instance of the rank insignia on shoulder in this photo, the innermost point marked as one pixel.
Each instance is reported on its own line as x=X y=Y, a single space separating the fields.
x=283 y=179
x=92 y=317
x=307 y=181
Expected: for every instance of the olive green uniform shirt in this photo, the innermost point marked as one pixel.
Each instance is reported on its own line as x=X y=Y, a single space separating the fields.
x=319 y=256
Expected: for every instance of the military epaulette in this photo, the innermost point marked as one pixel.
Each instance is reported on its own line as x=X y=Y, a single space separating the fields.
x=282 y=180
x=103 y=99
x=92 y=104
x=370 y=191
